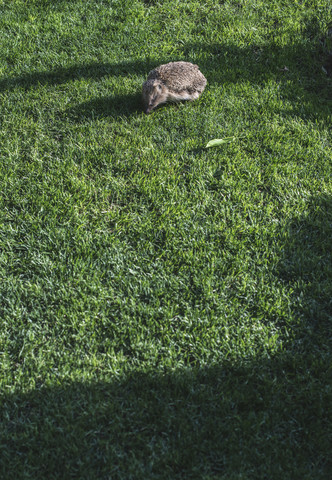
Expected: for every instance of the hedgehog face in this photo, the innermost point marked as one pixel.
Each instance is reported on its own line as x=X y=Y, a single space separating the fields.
x=154 y=93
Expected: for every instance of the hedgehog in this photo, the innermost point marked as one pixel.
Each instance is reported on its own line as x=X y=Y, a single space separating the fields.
x=172 y=82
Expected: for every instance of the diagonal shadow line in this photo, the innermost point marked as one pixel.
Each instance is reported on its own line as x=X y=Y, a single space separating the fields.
x=63 y=75
x=240 y=65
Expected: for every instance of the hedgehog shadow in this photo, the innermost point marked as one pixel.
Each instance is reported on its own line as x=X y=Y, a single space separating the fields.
x=104 y=107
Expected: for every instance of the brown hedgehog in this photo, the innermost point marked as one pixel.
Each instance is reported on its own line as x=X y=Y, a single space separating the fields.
x=172 y=82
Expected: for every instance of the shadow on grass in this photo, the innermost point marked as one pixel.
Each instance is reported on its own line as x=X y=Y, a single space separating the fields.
x=296 y=68
x=92 y=71
x=260 y=418
x=302 y=82
x=112 y=106
x=307 y=263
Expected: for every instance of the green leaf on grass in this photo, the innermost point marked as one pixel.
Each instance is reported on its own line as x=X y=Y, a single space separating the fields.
x=219 y=141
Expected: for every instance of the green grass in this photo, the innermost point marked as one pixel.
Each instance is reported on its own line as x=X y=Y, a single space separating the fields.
x=165 y=309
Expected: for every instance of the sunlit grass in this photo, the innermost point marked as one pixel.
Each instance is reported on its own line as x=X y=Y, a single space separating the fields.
x=164 y=307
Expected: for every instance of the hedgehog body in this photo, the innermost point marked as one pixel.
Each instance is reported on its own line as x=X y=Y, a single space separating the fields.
x=172 y=82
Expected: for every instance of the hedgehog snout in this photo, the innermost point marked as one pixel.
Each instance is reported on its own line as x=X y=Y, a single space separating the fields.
x=151 y=104
x=148 y=108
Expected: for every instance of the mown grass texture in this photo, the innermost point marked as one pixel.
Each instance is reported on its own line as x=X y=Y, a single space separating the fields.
x=165 y=309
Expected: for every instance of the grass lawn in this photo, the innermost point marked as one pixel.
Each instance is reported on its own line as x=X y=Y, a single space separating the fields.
x=165 y=309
